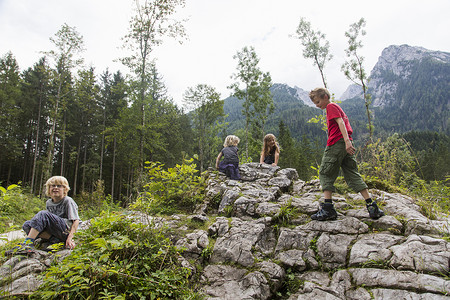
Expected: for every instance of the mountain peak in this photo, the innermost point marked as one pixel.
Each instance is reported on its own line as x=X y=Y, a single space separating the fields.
x=395 y=58
x=395 y=61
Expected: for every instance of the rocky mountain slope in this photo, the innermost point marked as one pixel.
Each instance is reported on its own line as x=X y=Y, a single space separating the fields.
x=409 y=87
x=264 y=244
x=396 y=63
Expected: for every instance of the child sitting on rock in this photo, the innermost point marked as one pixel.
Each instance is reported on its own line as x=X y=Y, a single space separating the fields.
x=270 y=152
x=58 y=223
x=230 y=163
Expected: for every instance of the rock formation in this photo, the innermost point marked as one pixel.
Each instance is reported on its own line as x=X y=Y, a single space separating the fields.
x=262 y=238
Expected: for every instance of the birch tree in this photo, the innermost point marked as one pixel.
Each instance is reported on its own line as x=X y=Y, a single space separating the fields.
x=68 y=45
x=252 y=87
x=354 y=69
x=206 y=109
x=316 y=47
x=151 y=23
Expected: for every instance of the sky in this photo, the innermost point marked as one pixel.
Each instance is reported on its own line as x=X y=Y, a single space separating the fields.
x=218 y=29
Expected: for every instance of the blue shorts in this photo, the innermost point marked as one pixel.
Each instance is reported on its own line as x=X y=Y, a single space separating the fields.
x=50 y=223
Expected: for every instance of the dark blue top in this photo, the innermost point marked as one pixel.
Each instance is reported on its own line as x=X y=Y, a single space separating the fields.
x=230 y=155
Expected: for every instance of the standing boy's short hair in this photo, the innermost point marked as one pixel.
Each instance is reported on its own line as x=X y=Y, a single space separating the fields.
x=319 y=93
x=57 y=180
x=231 y=140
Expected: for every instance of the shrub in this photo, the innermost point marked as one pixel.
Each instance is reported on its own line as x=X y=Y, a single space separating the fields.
x=167 y=191
x=16 y=207
x=92 y=204
x=117 y=258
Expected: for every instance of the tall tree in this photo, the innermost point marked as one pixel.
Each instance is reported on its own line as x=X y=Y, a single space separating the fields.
x=36 y=91
x=84 y=118
x=68 y=45
x=206 y=108
x=353 y=68
x=263 y=106
x=252 y=87
x=148 y=26
x=316 y=47
x=10 y=144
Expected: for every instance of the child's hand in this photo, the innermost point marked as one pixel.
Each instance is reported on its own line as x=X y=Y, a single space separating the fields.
x=70 y=244
x=349 y=147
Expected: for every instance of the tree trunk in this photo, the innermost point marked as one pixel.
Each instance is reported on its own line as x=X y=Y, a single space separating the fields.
x=36 y=146
x=76 y=167
x=113 y=169
x=83 y=178
x=102 y=150
x=63 y=141
x=49 y=166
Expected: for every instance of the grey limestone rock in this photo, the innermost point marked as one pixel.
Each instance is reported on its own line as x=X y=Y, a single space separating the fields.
x=373 y=248
x=422 y=254
x=230 y=283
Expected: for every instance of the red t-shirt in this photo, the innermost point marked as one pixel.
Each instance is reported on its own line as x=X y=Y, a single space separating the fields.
x=334 y=133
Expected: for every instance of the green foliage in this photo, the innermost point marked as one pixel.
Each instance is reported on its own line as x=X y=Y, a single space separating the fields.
x=316 y=47
x=285 y=214
x=432 y=150
x=321 y=120
x=389 y=160
x=433 y=197
x=391 y=165
x=252 y=86
x=228 y=210
x=92 y=204
x=353 y=68
x=378 y=263
x=16 y=207
x=291 y=285
x=341 y=186
x=177 y=188
x=207 y=118
x=374 y=182
x=117 y=258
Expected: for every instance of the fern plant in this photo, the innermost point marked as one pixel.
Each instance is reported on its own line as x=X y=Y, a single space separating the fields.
x=117 y=258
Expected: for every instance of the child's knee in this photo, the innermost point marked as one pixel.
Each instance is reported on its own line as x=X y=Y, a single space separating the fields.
x=42 y=213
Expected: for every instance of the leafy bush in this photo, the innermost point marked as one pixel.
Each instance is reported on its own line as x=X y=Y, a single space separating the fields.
x=117 y=258
x=389 y=160
x=16 y=207
x=170 y=190
x=91 y=205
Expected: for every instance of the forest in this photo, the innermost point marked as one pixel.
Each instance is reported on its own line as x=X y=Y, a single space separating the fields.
x=101 y=130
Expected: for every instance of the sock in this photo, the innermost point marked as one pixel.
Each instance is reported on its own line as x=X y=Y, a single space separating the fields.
x=328 y=201
x=368 y=200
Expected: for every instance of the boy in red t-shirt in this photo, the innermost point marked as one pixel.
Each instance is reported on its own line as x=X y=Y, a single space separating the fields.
x=338 y=154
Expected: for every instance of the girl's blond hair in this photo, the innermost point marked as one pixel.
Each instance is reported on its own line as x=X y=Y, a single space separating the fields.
x=231 y=140
x=58 y=180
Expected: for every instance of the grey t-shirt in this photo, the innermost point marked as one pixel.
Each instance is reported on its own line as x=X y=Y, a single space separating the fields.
x=66 y=209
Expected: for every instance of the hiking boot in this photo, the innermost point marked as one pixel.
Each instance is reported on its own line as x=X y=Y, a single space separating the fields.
x=374 y=211
x=22 y=248
x=326 y=212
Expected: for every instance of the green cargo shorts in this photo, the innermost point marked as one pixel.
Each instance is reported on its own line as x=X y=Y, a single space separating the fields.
x=334 y=158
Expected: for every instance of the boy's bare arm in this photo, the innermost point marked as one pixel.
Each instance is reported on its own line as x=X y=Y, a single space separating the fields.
x=69 y=242
x=348 y=143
